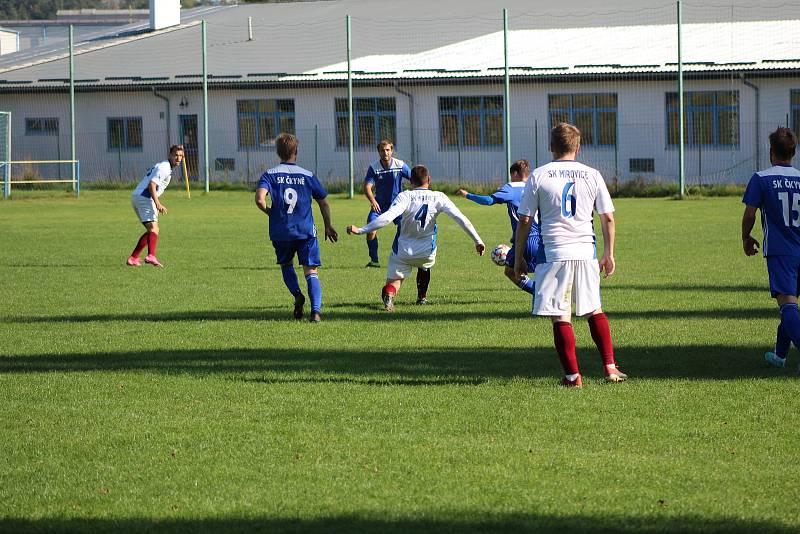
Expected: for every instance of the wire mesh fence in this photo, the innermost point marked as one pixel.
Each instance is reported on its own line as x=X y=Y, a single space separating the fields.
x=436 y=86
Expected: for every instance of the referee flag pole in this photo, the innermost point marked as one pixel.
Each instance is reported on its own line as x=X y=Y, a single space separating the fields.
x=186 y=179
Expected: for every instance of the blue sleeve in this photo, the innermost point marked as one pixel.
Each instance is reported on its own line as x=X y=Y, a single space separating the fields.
x=483 y=200
x=406 y=172
x=370 y=177
x=503 y=195
x=317 y=190
x=752 y=195
x=263 y=182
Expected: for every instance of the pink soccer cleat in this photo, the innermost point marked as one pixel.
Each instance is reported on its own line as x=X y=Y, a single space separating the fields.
x=152 y=260
x=577 y=383
x=133 y=261
x=615 y=375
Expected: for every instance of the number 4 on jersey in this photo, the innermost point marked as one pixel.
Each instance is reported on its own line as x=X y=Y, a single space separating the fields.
x=421 y=216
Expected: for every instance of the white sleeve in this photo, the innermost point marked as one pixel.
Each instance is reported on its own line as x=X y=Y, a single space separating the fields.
x=397 y=208
x=529 y=203
x=602 y=204
x=452 y=210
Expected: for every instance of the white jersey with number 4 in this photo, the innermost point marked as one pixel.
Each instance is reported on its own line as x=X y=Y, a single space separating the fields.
x=566 y=193
x=417 y=233
x=161 y=174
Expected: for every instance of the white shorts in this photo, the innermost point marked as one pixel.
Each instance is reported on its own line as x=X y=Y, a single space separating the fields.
x=145 y=208
x=561 y=283
x=400 y=268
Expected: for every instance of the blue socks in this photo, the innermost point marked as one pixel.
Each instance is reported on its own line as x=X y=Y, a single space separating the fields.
x=790 y=324
x=314 y=292
x=526 y=284
x=290 y=279
x=372 y=244
x=782 y=342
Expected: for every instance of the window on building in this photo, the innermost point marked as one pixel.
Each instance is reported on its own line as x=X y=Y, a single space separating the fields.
x=41 y=126
x=711 y=118
x=795 y=105
x=373 y=119
x=260 y=121
x=125 y=133
x=470 y=121
x=642 y=165
x=595 y=115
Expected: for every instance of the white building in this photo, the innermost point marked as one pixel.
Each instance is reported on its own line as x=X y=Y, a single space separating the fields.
x=9 y=41
x=433 y=83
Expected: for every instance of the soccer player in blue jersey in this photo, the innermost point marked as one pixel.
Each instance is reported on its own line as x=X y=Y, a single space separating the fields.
x=509 y=194
x=291 y=222
x=776 y=192
x=383 y=182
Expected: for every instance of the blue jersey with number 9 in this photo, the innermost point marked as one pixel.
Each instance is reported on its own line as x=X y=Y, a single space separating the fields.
x=776 y=192
x=292 y=188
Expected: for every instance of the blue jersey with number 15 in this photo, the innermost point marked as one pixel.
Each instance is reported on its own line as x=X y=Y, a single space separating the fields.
x=776 y=192
x=292 y=188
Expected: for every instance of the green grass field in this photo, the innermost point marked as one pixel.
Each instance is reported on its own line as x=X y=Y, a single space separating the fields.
x=186 y=399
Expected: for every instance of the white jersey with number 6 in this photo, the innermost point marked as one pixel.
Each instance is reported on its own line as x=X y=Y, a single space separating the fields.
x=566 y=193
x=417 y=233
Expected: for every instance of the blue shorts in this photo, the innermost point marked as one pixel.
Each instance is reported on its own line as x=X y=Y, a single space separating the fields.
x=783 y=275
x=534 y=254
x=307 y=251
x=372 y=215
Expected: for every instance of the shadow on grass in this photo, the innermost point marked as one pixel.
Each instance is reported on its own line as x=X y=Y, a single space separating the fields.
x=511 y=522
x=447 y=366
x=373 y=312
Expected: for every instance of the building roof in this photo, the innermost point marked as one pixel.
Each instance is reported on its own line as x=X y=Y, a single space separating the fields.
x=305 y=42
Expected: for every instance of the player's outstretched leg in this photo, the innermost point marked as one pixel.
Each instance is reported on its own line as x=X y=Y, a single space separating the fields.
x=315 y=295
x=564 y=338
x=372 y=245
x=601 y=334
x=782 y=344
x=290 y=280
x=423 y=281
x=526 y=284
x=133 y=259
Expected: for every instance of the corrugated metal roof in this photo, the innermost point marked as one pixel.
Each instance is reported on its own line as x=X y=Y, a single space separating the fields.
x=312 y=30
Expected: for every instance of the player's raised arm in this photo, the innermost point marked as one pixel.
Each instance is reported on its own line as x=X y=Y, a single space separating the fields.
x=398 y=207
x=454 y=213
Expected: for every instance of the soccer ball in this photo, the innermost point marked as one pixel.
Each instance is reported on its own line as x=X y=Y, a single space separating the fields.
x=499 y=254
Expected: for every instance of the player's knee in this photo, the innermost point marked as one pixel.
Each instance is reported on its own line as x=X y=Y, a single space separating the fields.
x=152 y=227
x=371 y=236
x=308 y=271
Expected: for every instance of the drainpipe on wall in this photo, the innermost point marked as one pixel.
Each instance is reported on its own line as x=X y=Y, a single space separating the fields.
x=165 y=99
x=411 y=120
x=758 y=118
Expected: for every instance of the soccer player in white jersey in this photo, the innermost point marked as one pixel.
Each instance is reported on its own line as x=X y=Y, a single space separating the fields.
x=565 y=193
x=415 y=243
x=147 y=205
x=776 y=192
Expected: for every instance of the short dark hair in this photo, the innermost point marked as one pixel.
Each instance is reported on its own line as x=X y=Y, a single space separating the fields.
x=783 y=143
x=521 y=166
x=384 y=142
x=420 y=175
x=175 y=148
x=564 y=138
x=286 y=146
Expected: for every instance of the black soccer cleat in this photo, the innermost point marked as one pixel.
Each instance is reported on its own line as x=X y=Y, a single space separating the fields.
x=314 y=317
x=422 y=301
x=299 y=301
